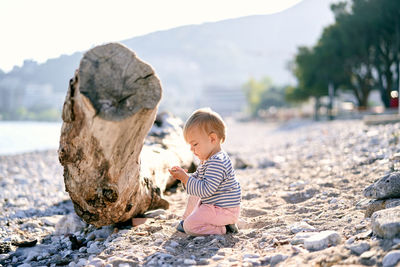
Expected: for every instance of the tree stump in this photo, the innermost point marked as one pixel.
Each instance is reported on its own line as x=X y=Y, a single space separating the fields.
x=110 y=106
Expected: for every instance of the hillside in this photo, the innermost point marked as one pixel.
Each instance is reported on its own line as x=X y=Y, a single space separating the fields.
x=191 y=58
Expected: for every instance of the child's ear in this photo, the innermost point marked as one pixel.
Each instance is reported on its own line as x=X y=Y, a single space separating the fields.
x=213 y=137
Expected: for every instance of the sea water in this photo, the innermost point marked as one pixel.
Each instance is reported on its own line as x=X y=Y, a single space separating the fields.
x=26 y=136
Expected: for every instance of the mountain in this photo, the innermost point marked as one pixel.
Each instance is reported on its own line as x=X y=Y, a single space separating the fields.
x=190 y=59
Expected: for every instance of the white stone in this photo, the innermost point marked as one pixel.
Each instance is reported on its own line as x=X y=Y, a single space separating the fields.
x=391 y=259
x=189 y=262
x=301 y=227
x=253 y=256
x=300 y=237
x=322 y=240
x=70 y=223
x=97 y=262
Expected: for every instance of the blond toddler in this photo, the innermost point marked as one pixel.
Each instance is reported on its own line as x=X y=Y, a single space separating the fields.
x=214 y=193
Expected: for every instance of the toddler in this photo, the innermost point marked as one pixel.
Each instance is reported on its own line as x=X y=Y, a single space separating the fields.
x=214 y=193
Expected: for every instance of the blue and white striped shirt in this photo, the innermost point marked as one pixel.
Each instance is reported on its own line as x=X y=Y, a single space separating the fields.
x=215 y=182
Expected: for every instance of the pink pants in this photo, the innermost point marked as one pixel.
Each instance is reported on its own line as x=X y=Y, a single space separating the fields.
x=207 y=219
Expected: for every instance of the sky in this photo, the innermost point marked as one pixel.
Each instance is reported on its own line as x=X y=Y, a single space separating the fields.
x=43 y=29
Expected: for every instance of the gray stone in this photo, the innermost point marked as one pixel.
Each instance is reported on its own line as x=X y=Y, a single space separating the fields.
x=301 y=227
x=173 y=244
x=387 y=186
x=298 y=197
x=170 y=249
x=386 y=223
x=70 y=223
x=93 y=249
x=359 y=248
x=217 y=257
x=277 y=259
x=375 y=205
x=97 y=262
x=300 y=237
x=322 y=240
x=189 y=262
x=391 y=203
x=391 y=259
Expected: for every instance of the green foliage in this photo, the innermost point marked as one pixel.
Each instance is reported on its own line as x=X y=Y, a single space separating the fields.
x=262 y=95
x=358 y=53
x=21 y=113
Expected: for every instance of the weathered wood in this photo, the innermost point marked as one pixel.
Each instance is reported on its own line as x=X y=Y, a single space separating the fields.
x=110 y=106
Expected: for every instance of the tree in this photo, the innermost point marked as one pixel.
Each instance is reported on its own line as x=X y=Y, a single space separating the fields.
x=262 y=95
x=359 y=52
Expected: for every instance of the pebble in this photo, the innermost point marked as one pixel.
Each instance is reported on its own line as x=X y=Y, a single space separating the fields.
x=189 y=262
x=391 y=259
x=93 y=249
x=301 y=227
x=97 y=262
x=275 y=259
x=386 y=223
x=322 y=240
x=386 y=187
x=359 y=248
x=300 y=237
x=217 y=257
x=173 y=244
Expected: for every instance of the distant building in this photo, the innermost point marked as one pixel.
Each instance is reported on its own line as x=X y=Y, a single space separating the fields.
x=11 y=94
x=42 y=95
x=15 y=94
x=226 y=100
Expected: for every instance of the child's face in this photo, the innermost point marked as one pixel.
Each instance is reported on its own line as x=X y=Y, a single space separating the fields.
x=202 y=145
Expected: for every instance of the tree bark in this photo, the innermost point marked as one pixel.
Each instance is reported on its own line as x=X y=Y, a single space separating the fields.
x=109 y=109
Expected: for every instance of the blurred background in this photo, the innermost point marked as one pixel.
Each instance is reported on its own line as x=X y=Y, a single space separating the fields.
x=300 y=59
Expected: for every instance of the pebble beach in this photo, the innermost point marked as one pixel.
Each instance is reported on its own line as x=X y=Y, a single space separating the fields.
x=303 y=205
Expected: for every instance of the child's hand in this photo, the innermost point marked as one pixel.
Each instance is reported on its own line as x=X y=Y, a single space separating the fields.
x=179 y=173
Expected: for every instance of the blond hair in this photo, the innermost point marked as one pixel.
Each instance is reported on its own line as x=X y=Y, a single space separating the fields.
x=208 y=120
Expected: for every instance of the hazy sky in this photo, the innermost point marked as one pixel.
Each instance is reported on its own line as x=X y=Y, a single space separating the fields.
x=43 y=29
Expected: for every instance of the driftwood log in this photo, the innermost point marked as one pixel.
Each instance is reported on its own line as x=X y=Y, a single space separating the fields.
x=110 y=107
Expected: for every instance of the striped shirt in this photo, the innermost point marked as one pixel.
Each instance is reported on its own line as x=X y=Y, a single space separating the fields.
x=215 y=183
